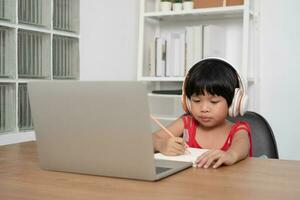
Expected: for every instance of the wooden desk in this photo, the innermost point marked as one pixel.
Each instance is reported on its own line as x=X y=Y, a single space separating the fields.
x=21 y=178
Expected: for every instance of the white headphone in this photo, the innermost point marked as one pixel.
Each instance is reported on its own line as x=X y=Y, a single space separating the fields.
x=240 y=99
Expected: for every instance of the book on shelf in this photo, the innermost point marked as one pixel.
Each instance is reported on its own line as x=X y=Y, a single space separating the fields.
x=179 y=65
x=170 y=53
x=189 y=52
x=214 y=41
x=190 y=155
x=198 y=41
x=174 y=53
x=151 y=59
x=160 y=57
x=194 y=46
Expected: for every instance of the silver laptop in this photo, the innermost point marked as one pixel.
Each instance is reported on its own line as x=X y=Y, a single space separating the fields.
x=100 y=128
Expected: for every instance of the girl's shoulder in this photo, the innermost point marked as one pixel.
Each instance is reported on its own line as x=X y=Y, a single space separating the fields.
x=241 y=125
x=188 y=120
x=187 y=116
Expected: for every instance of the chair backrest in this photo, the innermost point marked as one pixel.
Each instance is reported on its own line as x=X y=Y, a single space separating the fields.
x=263 y=140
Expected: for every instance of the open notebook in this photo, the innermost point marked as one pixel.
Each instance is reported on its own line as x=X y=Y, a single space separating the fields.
x=187 y=157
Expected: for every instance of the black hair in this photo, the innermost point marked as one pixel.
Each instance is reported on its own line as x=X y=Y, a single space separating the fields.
x=214 y=76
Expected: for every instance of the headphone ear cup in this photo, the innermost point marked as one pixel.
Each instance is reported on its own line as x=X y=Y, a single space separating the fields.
x=243 y=105
x=184 y=103
x=184 y=100
x=234 y=108
x=188 y=104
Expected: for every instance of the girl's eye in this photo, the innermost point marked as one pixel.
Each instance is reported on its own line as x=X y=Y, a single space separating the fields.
x=196 y=100
x=214 y=102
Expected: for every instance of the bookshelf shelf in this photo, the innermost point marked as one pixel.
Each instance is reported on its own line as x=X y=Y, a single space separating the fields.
x=39 y=41
x=166 y=79
x=157 y=29
x=39 y=29
x=207 y=13
x=164 y=96
x=5 y=80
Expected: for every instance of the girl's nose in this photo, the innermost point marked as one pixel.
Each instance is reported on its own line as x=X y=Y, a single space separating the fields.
x=204 y=107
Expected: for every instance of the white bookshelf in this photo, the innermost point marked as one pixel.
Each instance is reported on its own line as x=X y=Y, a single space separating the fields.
x=39 y=40
x=239 y=23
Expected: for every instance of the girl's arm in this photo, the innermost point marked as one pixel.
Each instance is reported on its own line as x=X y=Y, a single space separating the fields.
x=168 y=145
x=238 y=150
x=240 y=146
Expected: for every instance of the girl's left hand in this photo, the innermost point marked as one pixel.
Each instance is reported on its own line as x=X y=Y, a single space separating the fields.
x=216 y=158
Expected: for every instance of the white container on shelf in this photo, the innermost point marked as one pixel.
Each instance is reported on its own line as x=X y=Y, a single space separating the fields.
x=165 y=6
x=177 y=6
x=188 y=5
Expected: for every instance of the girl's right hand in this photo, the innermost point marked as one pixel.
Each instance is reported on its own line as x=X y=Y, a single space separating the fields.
x=173 y=146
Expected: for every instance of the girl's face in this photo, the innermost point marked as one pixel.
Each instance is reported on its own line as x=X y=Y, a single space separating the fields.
x=209 y=110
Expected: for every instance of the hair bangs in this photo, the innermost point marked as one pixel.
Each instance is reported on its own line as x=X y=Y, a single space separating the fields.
x=212 y=80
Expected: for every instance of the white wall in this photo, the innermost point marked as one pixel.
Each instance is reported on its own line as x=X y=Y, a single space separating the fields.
x=280 y=72
x=108 y=39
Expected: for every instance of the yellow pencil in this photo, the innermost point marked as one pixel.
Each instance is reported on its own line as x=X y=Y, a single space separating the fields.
x=162 y=126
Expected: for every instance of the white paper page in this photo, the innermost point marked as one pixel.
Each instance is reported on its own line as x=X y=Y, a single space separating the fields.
x=194 y=154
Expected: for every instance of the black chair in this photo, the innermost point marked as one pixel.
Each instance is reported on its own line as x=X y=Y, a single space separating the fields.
x=263 y=140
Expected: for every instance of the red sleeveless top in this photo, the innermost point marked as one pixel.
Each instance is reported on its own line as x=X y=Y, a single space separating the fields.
x=190 y=127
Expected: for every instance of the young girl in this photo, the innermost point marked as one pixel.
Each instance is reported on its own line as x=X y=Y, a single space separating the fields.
x=212 y=90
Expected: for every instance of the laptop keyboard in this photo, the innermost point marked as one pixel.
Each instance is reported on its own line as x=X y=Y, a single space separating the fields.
x=161 y=169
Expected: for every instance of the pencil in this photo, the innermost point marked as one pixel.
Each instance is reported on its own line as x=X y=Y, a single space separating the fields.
x=169 y=132
x=162 y=126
